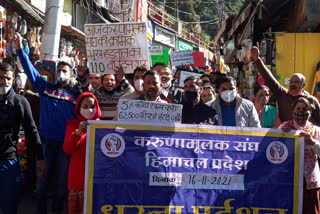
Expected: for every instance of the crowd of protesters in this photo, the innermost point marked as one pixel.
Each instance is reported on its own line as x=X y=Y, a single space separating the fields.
x=58 y=137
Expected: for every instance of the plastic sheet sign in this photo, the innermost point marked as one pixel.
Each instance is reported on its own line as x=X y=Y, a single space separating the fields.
x=185 y=74
x=181 y=58
x=139 y=110
x=119 y=44
x=140 y=168
x=164 y=58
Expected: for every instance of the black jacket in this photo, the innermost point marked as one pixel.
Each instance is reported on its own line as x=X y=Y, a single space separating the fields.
x=198 y=114
x=15 y=112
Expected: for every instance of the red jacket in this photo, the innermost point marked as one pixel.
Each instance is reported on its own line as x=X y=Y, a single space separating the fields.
x=76 y=145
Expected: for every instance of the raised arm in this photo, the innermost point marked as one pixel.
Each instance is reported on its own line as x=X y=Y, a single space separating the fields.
x=33 y=75
x=268 y=77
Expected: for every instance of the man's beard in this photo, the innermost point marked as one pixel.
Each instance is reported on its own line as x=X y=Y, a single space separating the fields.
x=153 y=95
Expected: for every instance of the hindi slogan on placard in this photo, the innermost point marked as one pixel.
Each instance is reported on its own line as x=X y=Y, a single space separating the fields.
x=181 y=58
x=114 y=45
x=139 y=110
x=185 y=75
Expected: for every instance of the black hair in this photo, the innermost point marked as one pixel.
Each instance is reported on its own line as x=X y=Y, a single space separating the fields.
x=210 y=88
x=105 y=75
x=217 y=73
x=63 y=63
x=196 y=80
x=204 y=75
x=159 y=64
x=151 y=73
x=6 y=67
x=89 y=95
x=129 y=76
x=258 y=88
x=224 y=79
x=139 y=68
x=303 y=100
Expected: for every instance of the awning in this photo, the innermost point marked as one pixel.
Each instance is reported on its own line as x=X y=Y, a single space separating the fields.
x=29 y=9
x=74 y=32
x=219 y=34
x=240 y=19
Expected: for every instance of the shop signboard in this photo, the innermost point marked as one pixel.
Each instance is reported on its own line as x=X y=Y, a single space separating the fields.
x=155 y=50
x=183 y=46
x=164 y=36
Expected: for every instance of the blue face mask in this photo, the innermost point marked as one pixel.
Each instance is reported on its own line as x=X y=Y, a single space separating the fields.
x=190 y=96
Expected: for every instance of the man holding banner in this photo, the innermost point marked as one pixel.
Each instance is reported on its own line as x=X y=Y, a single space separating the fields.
x=233 y=110
x=151 y=87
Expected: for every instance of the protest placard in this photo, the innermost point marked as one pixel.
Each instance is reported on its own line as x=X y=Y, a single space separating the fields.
x=155 y=50
x=191 y=169
x=181 y=58
x=164 y=58
x=185 y=74
x=198 y=58
x=139 y=110
x=119 y=44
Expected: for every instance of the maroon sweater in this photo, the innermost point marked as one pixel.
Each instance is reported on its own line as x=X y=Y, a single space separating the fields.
x=285 y=100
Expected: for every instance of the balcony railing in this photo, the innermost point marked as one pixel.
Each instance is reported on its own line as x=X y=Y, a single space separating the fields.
x=170 y=22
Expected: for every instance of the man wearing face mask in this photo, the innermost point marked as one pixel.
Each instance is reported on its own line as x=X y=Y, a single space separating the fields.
x=113 y=86
x=57 y=105
x=233 y=110
x=169 y=90
x=15 y=111
x=137 y=82
x=194 y=111
x=286 y=97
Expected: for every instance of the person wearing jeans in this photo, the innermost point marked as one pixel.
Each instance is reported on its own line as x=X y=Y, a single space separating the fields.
x=57 y=104
x=15 y=111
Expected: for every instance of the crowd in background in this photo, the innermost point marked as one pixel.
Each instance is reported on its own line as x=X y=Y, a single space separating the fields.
x=54 y=118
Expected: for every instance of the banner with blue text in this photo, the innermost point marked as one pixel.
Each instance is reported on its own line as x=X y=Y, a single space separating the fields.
x=148 y=168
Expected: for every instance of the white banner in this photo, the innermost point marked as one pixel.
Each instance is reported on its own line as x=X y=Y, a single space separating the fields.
x=181 y=58
x=185 y=74
x=139 y=110
x=155 y=50
x=113 y=45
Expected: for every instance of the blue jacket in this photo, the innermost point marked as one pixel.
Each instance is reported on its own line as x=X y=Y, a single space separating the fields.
x=57 y=102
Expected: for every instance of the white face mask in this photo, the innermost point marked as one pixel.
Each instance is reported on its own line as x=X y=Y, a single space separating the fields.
x=88 y=113
x=62 y=77
x=166 y=85
x=138 y=85
x=228 y=96
x=4 y=90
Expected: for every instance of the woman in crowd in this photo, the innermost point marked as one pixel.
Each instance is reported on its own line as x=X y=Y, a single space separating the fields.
x=268 y=114
x=86 y=108
x=311 y=182
x=207 y=94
